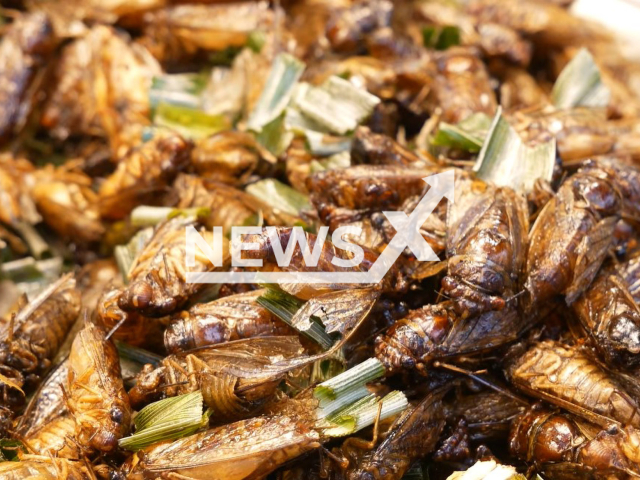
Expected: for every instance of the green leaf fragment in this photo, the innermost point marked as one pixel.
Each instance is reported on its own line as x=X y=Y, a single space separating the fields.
x=189 y=122
x=167 y=419
x=279 y=196
x=505 y=160
x=467 y=135
x=440 y=38
x=580 y=84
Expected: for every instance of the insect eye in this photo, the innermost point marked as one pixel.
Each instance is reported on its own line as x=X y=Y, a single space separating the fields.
x=116 y=415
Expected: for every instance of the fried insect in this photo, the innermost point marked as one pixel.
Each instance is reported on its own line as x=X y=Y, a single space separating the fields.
x=24 y=49
x=31 y=338
x=412 y=436
x=571 y=236
x=369 y=148
x=181 y=32
x=101 y=88
x=44 y=468
x=437 y=332
x=486 y=241
x=67 y=203
x=46 y=425
x=461 y=86
x=236 y=378
x=228 y=206
x=142 y=173
x=249 y=448
x=16 y=178
x=130 y=327
x=488 y=414
x=611 y=319
x=567 y=377
x=222 y=320
x=563 y=446
x=630 y=273
x=157 y=279
x=229 y=157
x=95 y=393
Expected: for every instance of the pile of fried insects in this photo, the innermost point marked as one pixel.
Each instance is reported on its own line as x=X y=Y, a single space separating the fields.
x=127 y=126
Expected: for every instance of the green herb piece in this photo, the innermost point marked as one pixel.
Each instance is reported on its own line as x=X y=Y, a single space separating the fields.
x=279 y=196
x=284 y=75
x=10 y=450
x=256 y=41
x=357 y=376
x=467 y=135
x=285 y=306
x=440 y=38
x=147 y=216
x=506 y=160
x=580 y=84
x=362 y=414
x=337 y=105
x=336 y=161
x=167 y=419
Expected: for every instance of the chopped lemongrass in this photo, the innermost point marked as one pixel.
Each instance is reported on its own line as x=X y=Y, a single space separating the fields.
x=506 y=160
x=125 y=255
x=30 y=235
x=328 y=408
x=487 y=470
x=323 y=144
x=362 y=414
x=279 y=196
x=256 y=41
x=337 y=105
x=284 y=75
x=183 y=89
x=274 y=136
x=284 y=306
x=339 y=160
x=189 y=122
x=580 y=84
x=146 y=216
x=167 y=419
x=29 y=269
x=353 y=378
x=467 y=135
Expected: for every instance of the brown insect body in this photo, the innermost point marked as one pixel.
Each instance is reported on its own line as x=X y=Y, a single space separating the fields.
x=157 y=279
x=143 y=172
x=95 y=393
x=236 y=378
x=486 y=242
x=437 y=332
x=223 y=320
x=611 y=318
x=245 y=449
x=412 y=436
x=33 y=336
x=43 y=468
x=567 y=377
x=571 y=237
x=23 y=51
x=563 y=446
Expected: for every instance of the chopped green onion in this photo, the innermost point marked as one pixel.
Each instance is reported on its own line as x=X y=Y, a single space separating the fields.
x=338 y=160
x=353 y=378
x=506 y=160
x=362 y=414
x=580 y=84
x=467 y=135
x=182 y=89
x=337 y=105
x=167 y=419
x=146 y=216
x=189 y=122
x=285 y=73
x=279 y=196
x=274 y=136
x=323 y=144
x=487 y=470
x=284 y=306
x=38 y=247
x=256 y=41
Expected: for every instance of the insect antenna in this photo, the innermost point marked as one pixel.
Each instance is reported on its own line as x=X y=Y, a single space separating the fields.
x=480 y=380
x=115 y=327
